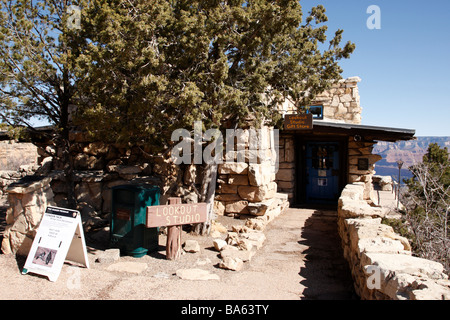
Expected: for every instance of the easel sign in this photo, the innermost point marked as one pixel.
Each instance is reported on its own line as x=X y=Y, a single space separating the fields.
x=60 y=237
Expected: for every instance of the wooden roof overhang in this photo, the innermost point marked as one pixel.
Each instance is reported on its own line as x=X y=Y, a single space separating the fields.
x=367 y=133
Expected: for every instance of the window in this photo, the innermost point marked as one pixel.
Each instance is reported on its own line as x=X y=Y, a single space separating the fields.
x=317 y=112
x=322 y=157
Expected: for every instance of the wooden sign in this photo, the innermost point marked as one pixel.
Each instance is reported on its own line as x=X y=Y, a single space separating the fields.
x=59 y=237
x=298 y=121
x=176 y=214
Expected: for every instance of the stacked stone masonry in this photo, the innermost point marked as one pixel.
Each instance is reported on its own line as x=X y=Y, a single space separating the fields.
x=380 y=260
x=28 y=200
x=247 y=187
x=341 y=103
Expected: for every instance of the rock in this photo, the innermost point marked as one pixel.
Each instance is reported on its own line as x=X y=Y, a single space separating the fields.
x=240 y=229
x=238 y=180
x=219 y=208
x=233 y=168
x=400 y=263
x=259 y=174
x=255 y=224
x=286 y=174
x=244 y=255
x=257 y=194
x=245 y=244
x=230 y=247
x=232 y=238
x=215 y=234
x=236 y=207
x=430 y=290
x=191 y=246
x=217 y=226
x=219 y=244
x=196 y=274
x=128 y=266
x=227 y=188
x=108 y=256
x=257 y=238
x=259 y=208
x=231 y=263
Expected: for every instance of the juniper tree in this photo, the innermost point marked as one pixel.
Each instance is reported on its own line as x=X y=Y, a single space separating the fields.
x=147 y=69
x=427 y=201
x=36 y=81
x=142 y=69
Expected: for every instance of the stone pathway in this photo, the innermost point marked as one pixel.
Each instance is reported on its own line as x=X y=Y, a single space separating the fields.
x=300 y=259
x=304 y=247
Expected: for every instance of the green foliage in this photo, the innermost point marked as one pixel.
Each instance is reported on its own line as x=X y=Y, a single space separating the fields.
x=145 y=70
x=35 y=77
x=400 y=227
x=37 y=51
x=428 y=205
x=434 y=169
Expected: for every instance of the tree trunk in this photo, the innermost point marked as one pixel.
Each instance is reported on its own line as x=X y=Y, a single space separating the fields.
x=173 y=244
x=207 y=195
x=64 y=143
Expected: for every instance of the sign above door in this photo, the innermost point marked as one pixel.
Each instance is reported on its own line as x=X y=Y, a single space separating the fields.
x=298 y=121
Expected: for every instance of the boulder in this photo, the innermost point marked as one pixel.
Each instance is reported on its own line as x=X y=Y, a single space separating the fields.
x=231 y=263
x=244 y=255
x=191 y=246
x=219 y=244
x=257 y=238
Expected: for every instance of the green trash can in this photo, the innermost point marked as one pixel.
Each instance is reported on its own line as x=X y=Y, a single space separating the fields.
x=128 y=231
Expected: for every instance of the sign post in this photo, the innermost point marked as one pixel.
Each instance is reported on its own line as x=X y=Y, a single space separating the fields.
x=173 y=216
x=59 y=237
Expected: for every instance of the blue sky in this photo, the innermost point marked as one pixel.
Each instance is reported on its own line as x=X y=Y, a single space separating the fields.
x=404 y=66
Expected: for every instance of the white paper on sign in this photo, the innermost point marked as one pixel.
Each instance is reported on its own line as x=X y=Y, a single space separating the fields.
x=59 y=237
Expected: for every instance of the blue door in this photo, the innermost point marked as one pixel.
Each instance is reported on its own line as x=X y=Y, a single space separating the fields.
x=322 y=172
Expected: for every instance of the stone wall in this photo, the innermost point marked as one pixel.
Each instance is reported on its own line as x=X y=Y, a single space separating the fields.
x=358 y=149
x=380 y=260
x=99 y=167
x=245 y=185
x=14 y=155
x=341 y=103
x=285 y=177
x=246 y=179
x=17 y=159
x=28 y=199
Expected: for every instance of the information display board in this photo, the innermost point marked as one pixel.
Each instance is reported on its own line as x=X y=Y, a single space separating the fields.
x=60 y=237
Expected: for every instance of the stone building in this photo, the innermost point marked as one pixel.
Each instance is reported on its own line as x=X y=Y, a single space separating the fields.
x=268 y=170
x=313 y=165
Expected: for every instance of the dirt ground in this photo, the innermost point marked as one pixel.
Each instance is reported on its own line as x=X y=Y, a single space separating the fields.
x=300 y=259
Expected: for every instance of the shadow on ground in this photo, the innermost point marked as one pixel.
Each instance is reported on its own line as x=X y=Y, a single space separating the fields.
x=326 y=273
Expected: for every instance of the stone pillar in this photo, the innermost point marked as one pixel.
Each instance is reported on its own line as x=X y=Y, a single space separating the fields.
x=28 y=198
